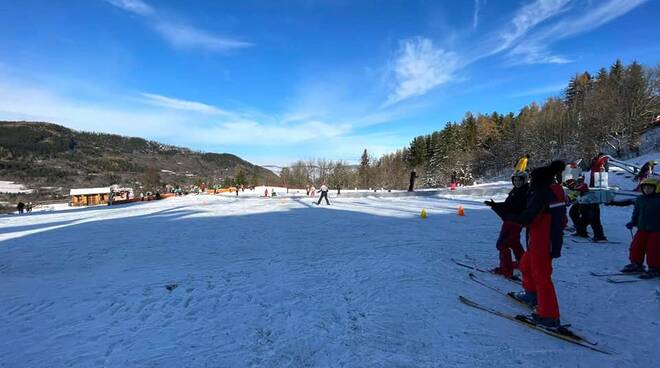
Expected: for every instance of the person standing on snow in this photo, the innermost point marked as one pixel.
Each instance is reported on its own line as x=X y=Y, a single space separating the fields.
x=324 y=194
x=509 y=239
x=413 y=176
x=600 y=163
x=646 y=217
x=544 y=217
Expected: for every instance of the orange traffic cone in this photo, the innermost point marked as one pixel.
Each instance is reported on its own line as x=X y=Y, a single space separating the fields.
x=461 y=211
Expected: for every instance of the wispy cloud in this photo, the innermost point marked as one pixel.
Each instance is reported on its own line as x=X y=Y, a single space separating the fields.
x=535 y=48
x=184 y=36
x=419 y=67
x=475 y=15
x=527 y=17
x=177 y=104
x=134 y=6
x=180 y=35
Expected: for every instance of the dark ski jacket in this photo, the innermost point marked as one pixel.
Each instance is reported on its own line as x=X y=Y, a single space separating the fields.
x=515 y=202
x=545 y=197
x=646 y=215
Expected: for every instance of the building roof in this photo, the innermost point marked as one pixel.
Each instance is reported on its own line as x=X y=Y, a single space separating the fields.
x=89 y=191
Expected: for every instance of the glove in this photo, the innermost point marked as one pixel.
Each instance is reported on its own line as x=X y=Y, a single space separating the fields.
x=489 y=203
x=630 y=225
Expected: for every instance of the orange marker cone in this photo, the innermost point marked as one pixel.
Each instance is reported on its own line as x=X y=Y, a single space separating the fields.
x=461 y=211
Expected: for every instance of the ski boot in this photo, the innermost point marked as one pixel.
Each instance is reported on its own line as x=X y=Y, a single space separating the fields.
x=579 y=234
x=633 y=268
x=524 y=297
x=546 y=322
x=652 y=273
x=498 y=271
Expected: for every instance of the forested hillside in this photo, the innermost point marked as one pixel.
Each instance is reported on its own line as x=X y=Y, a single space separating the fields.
x=51 y=159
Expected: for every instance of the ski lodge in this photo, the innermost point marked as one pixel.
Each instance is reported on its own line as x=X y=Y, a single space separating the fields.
x=89 y=196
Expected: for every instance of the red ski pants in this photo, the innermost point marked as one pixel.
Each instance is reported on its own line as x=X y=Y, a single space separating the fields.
x=646 y=243
x=536 y=268
x=509 y=241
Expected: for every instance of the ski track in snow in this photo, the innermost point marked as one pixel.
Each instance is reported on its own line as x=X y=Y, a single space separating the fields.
x=283 y=282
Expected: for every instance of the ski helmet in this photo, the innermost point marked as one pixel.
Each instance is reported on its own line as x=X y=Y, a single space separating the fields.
x=521 y=174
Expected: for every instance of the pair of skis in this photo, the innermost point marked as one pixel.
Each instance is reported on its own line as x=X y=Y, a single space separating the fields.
x=620 y=277
x=465 y=264
x=591 y=241
x=562 y=332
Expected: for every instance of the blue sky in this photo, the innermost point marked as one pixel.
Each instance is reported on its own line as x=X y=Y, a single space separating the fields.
x=277 y=81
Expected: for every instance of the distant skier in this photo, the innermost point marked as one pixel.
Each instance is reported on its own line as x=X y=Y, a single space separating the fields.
x=521 y=165
x=646 y=217
x=324 y=194
x=20 y=207
x=600 y=163
x=413 y=176
x=645 y=172
x=545 y=217
x=509 y=239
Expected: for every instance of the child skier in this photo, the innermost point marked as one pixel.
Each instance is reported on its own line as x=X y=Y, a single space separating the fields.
x=324 y=194
x=545 y=217
x=509 y=239
x=647 y=240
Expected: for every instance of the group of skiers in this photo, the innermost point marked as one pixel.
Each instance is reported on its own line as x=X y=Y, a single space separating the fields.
x=24 y=207
x=538 y=202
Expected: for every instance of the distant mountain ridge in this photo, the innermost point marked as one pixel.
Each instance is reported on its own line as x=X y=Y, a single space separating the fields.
x=52 y=159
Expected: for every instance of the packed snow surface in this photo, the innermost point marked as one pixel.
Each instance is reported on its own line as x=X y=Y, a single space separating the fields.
x=220 y=281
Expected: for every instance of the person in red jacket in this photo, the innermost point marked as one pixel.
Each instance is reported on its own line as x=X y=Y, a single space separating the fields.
x=600 y=163
x=545 y=218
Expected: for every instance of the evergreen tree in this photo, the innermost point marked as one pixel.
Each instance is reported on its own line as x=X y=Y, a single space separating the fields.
x=363 y=171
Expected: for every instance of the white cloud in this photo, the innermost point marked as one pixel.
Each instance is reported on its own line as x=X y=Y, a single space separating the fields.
x=134 y=6
x=419 y=67
x=534 y=49
x=177 y=104
x=527 y=18
x=188 y=37
x=178 y=34
x=475 y=15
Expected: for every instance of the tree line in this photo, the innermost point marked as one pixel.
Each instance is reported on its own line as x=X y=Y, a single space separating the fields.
x=604 y=112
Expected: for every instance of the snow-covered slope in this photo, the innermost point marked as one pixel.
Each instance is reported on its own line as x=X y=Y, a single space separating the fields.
x=219 y=281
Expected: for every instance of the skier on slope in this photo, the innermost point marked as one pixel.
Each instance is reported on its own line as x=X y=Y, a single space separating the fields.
x=647 y=240
x=324 y=194
x=509 y=239
x=545 y=217
x=600 y=163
